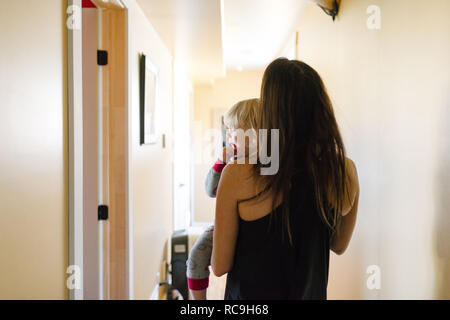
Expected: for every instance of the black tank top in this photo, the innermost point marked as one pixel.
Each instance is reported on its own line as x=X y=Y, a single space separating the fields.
x=267 y=266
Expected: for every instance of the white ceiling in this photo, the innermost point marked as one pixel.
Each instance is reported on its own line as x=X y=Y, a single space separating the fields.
x=210 y=36
x=192 y=31
x=255 y=31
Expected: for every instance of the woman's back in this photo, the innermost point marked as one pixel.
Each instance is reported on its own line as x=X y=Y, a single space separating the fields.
x=266 y=265
x=304 y=139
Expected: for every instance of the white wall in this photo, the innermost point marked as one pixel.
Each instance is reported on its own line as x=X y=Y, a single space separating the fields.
x=390 y=89
x=152 y=199
x=33 y=156
x=182 y=125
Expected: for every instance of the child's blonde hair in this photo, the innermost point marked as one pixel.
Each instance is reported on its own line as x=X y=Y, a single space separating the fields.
x=242 y=115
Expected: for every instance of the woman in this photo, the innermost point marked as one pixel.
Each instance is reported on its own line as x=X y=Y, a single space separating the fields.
x=273 y=233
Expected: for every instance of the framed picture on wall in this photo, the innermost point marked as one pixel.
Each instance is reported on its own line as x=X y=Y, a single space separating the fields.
x=148 y=78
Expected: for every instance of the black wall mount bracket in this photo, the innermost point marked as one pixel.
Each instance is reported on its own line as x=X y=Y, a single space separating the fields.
x=102 y=57
x=102 y=212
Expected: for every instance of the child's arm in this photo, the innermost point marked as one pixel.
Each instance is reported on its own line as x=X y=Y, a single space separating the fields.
x=213 y=177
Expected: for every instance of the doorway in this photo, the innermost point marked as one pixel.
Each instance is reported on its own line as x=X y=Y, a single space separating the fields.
x=99 y=150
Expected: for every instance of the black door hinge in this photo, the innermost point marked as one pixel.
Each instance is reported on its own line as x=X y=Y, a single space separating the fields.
x=102 y=212
x=102 y=57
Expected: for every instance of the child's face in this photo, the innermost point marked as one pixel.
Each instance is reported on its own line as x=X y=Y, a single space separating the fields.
x=232 y=138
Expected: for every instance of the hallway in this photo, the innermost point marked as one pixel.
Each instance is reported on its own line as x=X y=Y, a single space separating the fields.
x=140 y=139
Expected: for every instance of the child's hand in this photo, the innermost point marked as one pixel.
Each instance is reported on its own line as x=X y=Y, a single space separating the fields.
x=228 y=152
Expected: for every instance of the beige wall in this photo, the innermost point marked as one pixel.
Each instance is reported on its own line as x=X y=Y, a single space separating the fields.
x=33 y=144
x=151 y=164
x=221 y=95
x=390 y=89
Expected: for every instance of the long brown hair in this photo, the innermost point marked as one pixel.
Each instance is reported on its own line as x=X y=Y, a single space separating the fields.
x=295 y=101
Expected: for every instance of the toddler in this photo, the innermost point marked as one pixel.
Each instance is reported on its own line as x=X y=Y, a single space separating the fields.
x=241 y=116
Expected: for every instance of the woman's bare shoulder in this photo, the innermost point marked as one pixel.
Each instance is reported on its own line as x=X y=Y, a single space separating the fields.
x=241 y=176
x=352 y=173
x=239 y=171
x=352 y=183
x=349 y=162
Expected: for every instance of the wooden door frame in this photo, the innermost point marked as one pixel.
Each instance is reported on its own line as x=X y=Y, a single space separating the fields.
x=75 y=145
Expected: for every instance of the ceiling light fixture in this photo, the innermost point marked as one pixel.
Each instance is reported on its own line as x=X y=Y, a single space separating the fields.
x=333 y=12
